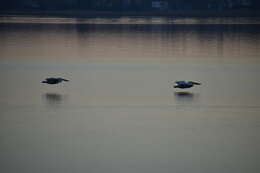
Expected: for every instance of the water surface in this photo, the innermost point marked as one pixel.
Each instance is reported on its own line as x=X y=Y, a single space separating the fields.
x=119 y=112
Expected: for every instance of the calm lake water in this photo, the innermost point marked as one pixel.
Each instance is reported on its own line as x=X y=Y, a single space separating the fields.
x=119 y=113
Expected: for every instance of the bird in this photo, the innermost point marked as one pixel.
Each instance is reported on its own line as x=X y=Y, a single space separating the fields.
x=185 y=84
x=53 y=80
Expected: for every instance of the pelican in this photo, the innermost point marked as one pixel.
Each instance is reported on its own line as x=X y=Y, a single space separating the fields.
x=53 y=80
x=185 y=84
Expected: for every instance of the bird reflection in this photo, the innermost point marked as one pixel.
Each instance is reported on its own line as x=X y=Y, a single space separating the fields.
x=53 y=98
x=185 y=97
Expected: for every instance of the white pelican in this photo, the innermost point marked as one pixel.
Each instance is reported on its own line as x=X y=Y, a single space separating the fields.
x=53 y=80
x=185 y=84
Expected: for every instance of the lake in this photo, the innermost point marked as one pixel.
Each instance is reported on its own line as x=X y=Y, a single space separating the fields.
x=119 y=113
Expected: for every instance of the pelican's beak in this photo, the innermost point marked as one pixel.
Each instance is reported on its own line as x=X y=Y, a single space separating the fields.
x=44 y=81
x=196 y=83
x=66 y=80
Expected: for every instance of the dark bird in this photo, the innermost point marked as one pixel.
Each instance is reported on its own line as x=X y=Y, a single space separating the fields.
x=185 y=84
x=53 y=80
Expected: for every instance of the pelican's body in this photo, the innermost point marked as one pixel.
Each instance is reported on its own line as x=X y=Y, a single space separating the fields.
x=185 y=84
x=54 y=80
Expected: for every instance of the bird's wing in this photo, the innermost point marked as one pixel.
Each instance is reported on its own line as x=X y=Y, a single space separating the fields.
x=180 y=82
x=50 y=78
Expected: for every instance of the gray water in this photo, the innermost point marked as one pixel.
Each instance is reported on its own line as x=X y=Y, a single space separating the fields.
x=119 y=112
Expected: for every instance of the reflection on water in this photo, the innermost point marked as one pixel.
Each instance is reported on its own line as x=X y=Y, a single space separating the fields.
x=183 y=97
x=131 y=20
x=54 y=99
x=126 y=42
x=183 y=94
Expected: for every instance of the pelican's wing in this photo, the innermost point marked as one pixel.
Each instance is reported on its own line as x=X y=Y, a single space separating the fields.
x=180 y=82
x=50 y=78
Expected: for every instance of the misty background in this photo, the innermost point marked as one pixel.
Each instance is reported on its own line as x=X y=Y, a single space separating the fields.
x=130 y=5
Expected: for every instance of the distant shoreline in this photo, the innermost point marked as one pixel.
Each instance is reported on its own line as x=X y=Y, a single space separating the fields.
x=88 y=14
